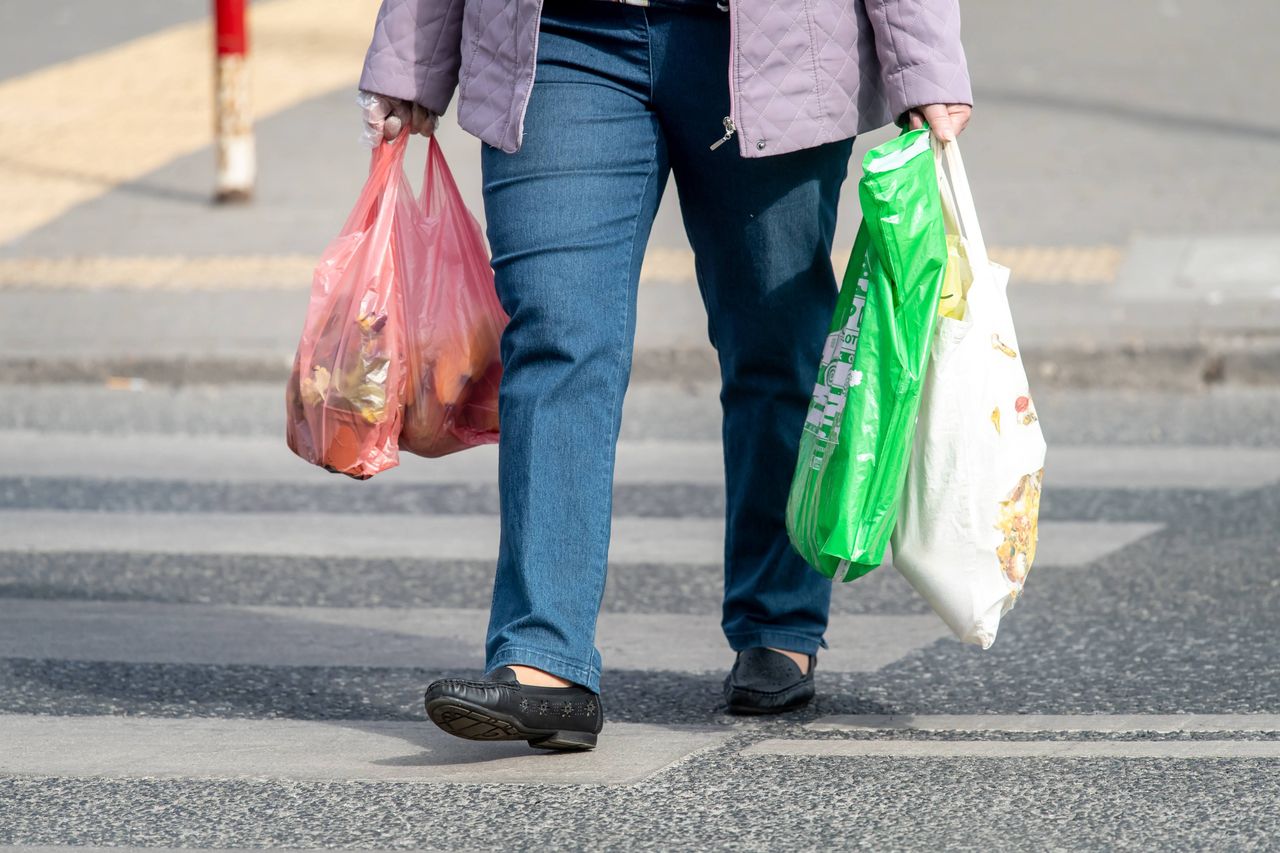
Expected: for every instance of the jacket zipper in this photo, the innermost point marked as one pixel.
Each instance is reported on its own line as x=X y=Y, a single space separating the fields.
x=533 y=70
x=729 y=130
x=731 y=121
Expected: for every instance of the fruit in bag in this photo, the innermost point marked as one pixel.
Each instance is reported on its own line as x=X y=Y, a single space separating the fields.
x=343 y=399
x=455 y=322
x=400 y=349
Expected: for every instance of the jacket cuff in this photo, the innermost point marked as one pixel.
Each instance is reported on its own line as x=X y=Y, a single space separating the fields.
x=416 y=83
x=927 y=83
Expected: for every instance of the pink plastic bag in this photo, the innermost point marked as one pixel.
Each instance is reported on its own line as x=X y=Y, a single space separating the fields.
x=344 y=401
x=399 y=350
x=454 y=323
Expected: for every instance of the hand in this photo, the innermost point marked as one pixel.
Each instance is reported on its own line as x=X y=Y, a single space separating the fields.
x=385 y=117
x=946 y=120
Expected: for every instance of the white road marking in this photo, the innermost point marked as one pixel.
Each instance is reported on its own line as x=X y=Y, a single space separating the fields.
x=348 y=751
x=1196 y=749
x=1103 y=723
x=259 y=459
x=634 y=540
x=184 y=458
x=331 y=535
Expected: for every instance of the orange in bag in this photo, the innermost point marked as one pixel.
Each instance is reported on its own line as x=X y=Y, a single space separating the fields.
x=344 y=400
x=454 y=323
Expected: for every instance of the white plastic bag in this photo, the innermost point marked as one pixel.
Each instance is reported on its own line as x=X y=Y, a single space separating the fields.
x=966 y=532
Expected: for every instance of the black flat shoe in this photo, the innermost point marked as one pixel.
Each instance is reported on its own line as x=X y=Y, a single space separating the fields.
x=501 y=708
x=763 y=681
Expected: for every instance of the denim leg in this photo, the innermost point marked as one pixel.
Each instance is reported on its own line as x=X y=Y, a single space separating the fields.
x=761 y=230
x=568 y=219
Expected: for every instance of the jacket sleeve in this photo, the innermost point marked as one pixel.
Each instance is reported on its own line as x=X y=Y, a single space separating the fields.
x=415 y=52
x=921 y=58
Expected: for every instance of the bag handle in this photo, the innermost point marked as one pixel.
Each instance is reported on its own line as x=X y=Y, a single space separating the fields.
x=375 y=212
x=954 y=185
x=950 y=214
x=438 y=179
x=378 y=196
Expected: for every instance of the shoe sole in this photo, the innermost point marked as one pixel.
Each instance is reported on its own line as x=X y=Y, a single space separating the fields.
x=749 y=710
x=473 y=722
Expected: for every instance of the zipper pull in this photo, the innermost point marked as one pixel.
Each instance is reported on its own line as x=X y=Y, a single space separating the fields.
x=729 y=130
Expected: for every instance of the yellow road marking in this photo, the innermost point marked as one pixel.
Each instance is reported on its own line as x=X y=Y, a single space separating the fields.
x=1067 y=264
x=1030 y=265
x=71 y=132
x=159 y=272
x=1048 y=264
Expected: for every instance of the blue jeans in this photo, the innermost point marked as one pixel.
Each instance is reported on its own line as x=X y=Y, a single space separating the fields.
x=625 y=95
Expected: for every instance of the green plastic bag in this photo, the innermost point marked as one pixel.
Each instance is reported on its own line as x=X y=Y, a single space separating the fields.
x=858 y=434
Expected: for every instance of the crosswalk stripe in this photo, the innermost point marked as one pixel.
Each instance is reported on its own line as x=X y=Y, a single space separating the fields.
x=331 y=535
x=349 y=751
x=1101 y=723
x=441 y=638
x=658 y=540
x=899 y=749
x=268 y=460
x=260 y=459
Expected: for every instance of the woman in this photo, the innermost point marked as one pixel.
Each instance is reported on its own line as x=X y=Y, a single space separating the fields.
x=585 y=107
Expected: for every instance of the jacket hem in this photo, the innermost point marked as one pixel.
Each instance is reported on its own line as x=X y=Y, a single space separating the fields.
x=434 y=94
x=915 y=86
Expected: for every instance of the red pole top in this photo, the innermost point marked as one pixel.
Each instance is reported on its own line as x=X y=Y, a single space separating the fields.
x=232 y=37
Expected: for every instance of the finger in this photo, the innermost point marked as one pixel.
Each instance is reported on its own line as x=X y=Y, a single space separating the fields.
x=960 y=114
x=433 y=121
x=400 y=118
x=419 y=118
x=391 y=127
x=915 y=120
x=940 y=121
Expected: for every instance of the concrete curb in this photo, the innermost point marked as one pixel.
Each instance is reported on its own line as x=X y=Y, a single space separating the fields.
x=1181 y=367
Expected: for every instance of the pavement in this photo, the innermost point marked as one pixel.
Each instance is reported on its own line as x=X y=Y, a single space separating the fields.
x=205 y=642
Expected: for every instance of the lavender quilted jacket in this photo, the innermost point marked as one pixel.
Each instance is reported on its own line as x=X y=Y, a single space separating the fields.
x=801 y=72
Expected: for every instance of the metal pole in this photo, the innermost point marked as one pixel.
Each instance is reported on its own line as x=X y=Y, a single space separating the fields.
x=233 y=121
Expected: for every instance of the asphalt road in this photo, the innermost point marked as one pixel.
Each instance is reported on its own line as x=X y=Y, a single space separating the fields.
x=205 y=642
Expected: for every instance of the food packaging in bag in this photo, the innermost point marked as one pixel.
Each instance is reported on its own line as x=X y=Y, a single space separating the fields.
x=967 y=524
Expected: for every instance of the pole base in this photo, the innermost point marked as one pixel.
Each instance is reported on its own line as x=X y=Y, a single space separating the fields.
x=233 y=197
x=236 y=160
